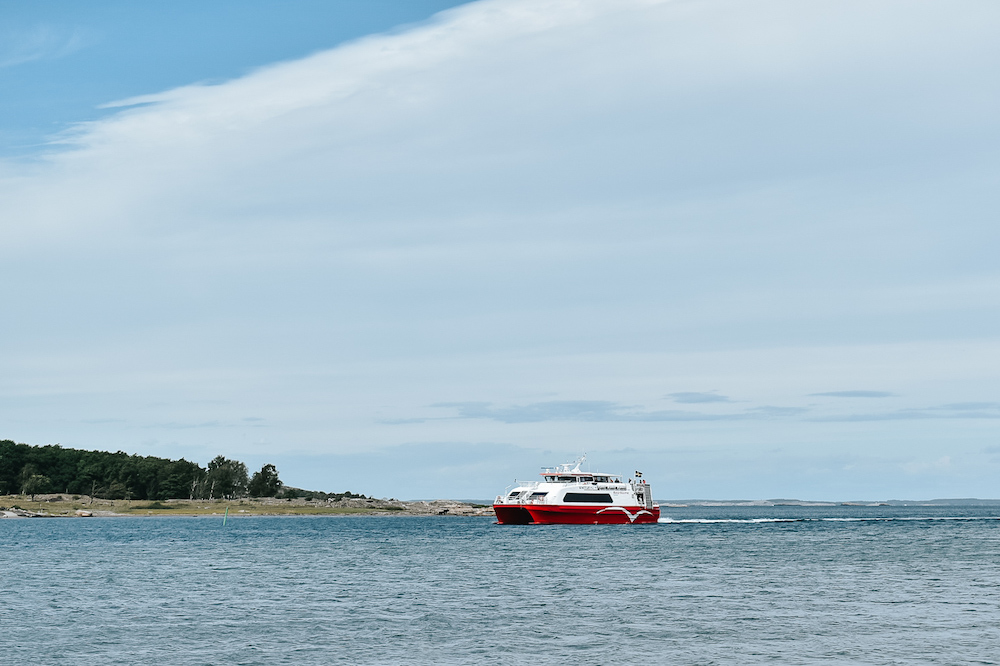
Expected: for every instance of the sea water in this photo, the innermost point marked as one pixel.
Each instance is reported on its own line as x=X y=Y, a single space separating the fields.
x=777 y=585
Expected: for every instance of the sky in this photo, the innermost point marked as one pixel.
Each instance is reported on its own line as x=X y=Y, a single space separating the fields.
x=420 y=249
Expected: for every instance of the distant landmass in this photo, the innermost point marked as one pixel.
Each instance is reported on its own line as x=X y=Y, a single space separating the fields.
x=961 y=501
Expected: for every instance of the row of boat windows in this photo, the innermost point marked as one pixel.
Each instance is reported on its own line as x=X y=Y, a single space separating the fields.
x=597 y=498
x=581 y=479
x=602 y=498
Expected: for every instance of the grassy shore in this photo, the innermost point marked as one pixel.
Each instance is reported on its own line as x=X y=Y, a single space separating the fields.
x=73 y=505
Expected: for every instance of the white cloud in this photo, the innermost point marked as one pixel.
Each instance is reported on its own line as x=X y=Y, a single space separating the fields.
x=523 y=202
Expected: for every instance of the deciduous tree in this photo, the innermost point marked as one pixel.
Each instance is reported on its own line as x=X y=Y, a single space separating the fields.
x=34 y=484
x=265 y=483
x=227 y=478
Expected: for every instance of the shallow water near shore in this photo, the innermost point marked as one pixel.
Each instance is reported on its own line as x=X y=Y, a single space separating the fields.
x=712 y=585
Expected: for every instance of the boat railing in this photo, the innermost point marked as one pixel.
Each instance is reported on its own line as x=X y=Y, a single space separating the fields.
x=522 y=497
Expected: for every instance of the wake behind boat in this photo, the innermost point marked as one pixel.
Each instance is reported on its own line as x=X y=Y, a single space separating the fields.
x=570 y=496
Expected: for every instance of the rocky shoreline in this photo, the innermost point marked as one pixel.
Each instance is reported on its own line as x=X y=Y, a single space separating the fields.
x=77 y=506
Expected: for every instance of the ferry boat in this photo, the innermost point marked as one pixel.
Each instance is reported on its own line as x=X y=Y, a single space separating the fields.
x=568 y=495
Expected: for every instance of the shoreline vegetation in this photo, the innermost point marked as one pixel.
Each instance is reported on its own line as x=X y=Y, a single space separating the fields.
x=79 y=506
x=38 y=470
x=100 y=483
x=66 y=475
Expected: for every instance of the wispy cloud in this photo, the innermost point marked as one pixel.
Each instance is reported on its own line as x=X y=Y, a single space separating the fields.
x=968 y=406
x=568 y=410
x=921 y=466
x=964 y=410
x=589 y=410
x=690 y=397
x=776 y=412
x=177 y=425
x=855 y=394
x=43 y=42
x=189 y=425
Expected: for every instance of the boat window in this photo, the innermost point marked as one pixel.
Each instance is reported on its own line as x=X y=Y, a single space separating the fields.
x=550 y=479
x=567 y=479
x=601 y=479
x=538 y=495
x=586 y=478
x=597 y=498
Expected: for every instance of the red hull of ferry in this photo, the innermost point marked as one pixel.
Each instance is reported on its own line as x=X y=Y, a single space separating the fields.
x=564 y=514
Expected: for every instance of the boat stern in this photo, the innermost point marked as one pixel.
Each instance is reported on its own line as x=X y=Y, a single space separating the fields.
x=512 y=514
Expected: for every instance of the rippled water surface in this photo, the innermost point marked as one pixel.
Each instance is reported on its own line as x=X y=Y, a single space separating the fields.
x=781 y=585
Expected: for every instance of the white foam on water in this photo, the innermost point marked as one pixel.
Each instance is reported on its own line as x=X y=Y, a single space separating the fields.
x=887 y=519
x=732 y=520
x=893 y=519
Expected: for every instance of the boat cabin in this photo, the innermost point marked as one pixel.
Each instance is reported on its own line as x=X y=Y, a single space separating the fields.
x=580 y=478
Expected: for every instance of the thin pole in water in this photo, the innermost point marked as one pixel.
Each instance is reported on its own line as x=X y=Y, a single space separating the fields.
x=225 y=517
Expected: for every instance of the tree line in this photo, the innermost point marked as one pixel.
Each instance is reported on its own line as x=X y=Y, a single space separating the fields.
x=30 y=470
